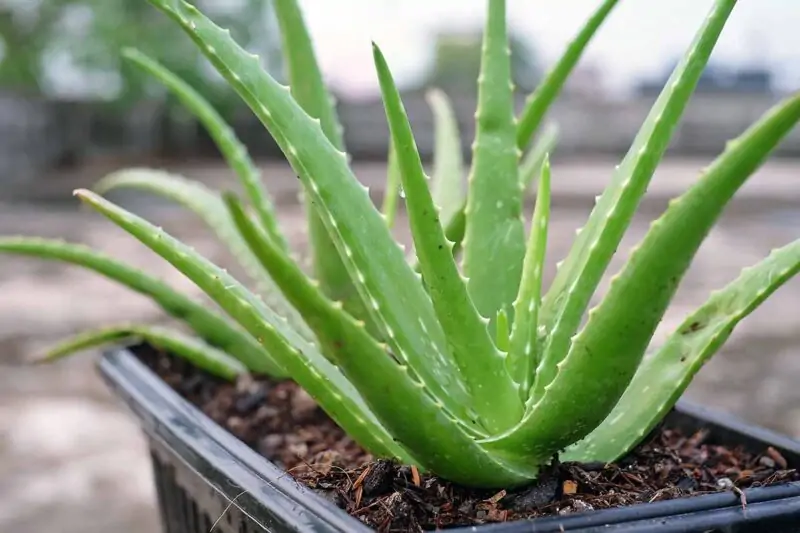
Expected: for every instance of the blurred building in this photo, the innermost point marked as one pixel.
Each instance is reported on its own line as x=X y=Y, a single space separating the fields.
x=719 y=79
x=457 y=59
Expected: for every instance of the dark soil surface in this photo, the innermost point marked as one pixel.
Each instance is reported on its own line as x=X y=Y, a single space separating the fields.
x=280 y=421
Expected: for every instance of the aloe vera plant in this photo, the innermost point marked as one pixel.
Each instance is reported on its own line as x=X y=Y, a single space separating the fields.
x=467 y=368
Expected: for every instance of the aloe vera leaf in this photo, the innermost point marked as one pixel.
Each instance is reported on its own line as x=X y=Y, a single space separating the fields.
x=530 y=168
x=663 y=377
x=309 y=91
x=524 y=349
x=537 y=104
x=305 y=296
x=215 y=329
x=390 y=198
x=192 y=349
x=301 y=360
x=571 y=396
x=619 y=329
x=234 y=152
x=448 y=160
x=397 y=302
x=418 y=421
x=577 y=278
x=208 y=205
x=494 y=242
x=494 y=394
x=533 y=161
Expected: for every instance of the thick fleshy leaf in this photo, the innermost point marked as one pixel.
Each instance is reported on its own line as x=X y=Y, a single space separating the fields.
x=524 y=350
x=308 y=89
x=412 y=416
x=494 y=394
x=215 y=329
x=301 y=360
x=538 y=103
x=397 y=302
x=194 y=350
x=234 y=152
x=577 y=278
x=449 y=193
x=494 y=243
x=606 y=353
x=573 y=394
x=662 y=378
x=529 y=170
x=208 y=205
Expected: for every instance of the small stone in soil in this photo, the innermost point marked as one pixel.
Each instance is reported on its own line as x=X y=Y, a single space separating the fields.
x=379 y=479
x=536 y=496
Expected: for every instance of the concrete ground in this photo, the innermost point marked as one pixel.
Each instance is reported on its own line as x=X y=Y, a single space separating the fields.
x=71 y=457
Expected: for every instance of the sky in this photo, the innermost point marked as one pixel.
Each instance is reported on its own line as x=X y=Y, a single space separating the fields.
x=636 y=40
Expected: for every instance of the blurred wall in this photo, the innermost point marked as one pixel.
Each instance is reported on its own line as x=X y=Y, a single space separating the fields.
x=37 y=135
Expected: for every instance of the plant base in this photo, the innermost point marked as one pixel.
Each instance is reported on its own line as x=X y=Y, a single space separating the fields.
x=684 y=468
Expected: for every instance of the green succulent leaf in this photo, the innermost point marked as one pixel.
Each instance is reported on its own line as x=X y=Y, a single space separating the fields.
x=412 y=416
x=234 y=152
x=308 y=89
x=664 y=376
x=449 y=193
x=302 y=361
x=542 y=98
x=624 y=322
x=494 y=395
x=390 y=198
x=396 y=300
x=524 y=350
x=494 y=242
x=364 y=361
x=215 y=329
x=530 y=168
x=208 y=205
x=573 y=394
x=578 y=277
x=532 y=164
x=197 y=352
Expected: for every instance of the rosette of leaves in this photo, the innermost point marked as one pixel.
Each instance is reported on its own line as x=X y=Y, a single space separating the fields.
x=456 y=361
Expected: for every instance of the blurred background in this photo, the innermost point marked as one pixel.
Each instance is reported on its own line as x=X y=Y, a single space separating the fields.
x=72 y=111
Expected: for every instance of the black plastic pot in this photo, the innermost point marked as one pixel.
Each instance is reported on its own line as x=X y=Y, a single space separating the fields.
x=206 y=478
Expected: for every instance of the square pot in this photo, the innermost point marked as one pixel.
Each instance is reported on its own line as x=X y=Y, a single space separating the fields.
x=207 y=478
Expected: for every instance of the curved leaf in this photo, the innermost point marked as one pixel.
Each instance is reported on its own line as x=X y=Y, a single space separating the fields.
x=309 y=91
x=525 y=340
x=216 y=330
x=192 y=349
x=663 y=377
x=541 y=99
x=234 y=152
x=578 y=277
x=397 y=302
x=208 y=205
x=494 y=243
x=412 y=416
x=302 y=361
x=570 y=396
x=482 y=365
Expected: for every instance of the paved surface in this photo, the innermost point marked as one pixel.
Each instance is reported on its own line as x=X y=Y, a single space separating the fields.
x=70 y=457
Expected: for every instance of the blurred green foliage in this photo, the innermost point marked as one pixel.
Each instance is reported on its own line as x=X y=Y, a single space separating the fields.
x=457 y=60
x=71 y=48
